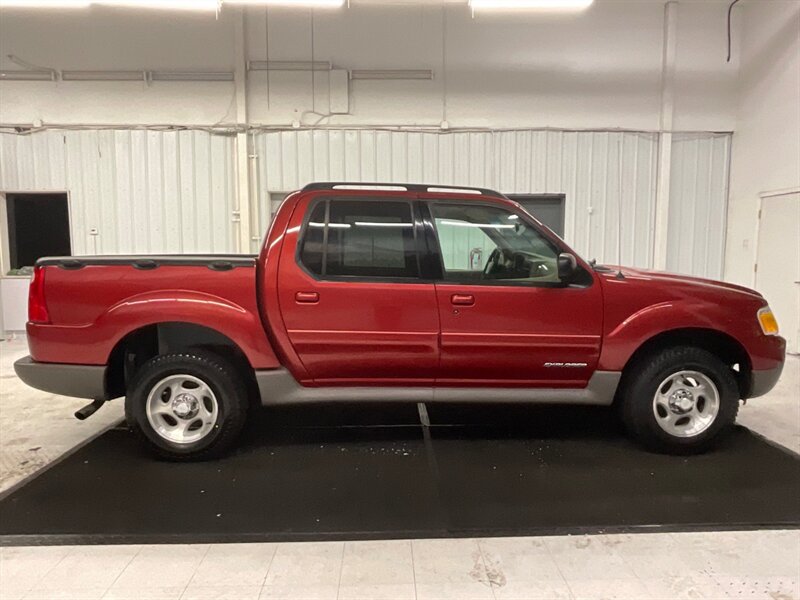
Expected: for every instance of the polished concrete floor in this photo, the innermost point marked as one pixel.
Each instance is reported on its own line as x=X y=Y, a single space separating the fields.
x=37 y=428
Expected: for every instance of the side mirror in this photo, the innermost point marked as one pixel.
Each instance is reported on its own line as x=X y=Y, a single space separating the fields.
x=567 y=266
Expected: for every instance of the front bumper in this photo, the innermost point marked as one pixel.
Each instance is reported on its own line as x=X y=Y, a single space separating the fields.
x=77 y=381
x=763 y=381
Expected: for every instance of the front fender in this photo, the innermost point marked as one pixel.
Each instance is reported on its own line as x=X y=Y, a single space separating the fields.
x=622 y=338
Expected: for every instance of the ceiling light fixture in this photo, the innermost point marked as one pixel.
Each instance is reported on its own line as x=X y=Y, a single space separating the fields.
x=20 y=75
x=529 y=4
x=305 y=3
x=102 y=76
x=191 y=76
x=391 y=74
x=288 y=65
x=44 y=3
x=207 y=5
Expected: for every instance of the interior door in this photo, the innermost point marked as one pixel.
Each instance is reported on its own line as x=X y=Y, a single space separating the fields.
x=778 y=263
x=506 y=318
x=354 y=306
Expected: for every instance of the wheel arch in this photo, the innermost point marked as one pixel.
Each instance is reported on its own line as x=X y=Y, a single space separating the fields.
x=725 y=347
x=143 y=343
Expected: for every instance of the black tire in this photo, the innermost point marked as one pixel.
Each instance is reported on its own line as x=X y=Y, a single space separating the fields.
x=641 y=384
x=228 y=390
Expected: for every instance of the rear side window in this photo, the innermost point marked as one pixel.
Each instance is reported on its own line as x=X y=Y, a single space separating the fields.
x=358 y=238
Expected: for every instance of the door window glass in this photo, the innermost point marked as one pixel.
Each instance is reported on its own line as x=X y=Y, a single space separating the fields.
x=359 y=238
x=490 y=244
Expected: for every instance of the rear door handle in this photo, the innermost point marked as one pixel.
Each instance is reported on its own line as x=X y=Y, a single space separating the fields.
x=462 y=299
x=306 y=297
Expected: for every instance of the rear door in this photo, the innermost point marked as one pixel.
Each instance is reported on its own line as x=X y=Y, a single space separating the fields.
x=354 y=303
x=506 y=318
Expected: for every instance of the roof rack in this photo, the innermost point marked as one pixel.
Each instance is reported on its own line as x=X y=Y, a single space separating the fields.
x=410 y=187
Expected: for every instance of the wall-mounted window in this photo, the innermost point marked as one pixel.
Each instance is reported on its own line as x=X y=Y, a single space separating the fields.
x=35 y=225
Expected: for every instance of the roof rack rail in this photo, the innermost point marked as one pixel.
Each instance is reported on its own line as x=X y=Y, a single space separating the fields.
x=410 y=187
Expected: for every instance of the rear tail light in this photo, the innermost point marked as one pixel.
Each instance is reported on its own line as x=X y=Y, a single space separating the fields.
x=37 y=307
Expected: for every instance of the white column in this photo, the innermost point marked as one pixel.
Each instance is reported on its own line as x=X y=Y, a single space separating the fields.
x=242 y=145
x=668 y=56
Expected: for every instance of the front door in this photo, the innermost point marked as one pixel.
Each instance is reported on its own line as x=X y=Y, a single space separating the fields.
x=353 y=302
x=506 y=318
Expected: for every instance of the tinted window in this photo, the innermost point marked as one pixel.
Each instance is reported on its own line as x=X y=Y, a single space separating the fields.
x=361 y=239
x=484 y=243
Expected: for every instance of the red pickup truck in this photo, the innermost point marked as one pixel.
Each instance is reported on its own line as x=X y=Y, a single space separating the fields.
x=396 y=293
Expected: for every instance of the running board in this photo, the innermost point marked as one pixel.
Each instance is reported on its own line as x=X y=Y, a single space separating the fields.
x=278 y=386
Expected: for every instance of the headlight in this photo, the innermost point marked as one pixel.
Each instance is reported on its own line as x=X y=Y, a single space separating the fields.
x=767 y=321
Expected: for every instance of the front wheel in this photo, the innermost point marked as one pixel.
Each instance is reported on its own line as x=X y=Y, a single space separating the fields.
x=679 y=401
x=188 y=406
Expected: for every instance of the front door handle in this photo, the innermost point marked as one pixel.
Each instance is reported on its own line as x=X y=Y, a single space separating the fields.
x=306 y=297
x=462 y=299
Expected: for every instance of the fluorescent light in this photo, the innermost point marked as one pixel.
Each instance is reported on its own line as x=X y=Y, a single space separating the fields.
x=382 y=224
x=391 y=74
x=102 y=75
x=529 y=4
x=308 y=3
x=481 y=225
x=44 y=3
x=191 y=76
x=210 y=5
x=288 y=65
x=21 y=75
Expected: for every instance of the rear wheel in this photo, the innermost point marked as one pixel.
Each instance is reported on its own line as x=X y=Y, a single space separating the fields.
x=188 y=406
x=680 y=400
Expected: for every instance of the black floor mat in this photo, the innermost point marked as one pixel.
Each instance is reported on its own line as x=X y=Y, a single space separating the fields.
x=354 y=472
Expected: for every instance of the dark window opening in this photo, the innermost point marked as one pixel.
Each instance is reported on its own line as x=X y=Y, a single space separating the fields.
x=548 y=208
x=38 y=225
x=354 y=238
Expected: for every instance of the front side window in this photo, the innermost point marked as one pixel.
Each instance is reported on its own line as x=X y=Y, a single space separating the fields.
x=487 y=244
x=357 y=238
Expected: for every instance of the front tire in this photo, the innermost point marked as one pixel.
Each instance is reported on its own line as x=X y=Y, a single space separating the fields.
x=679 y=401
x=187 y=406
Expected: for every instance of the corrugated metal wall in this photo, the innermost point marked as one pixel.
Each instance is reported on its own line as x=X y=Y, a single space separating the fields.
x=609 y=177
x=698 y=204
x=153 y=191
x=142 y=191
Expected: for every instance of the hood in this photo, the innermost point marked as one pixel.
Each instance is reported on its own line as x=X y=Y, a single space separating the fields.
x=710 y=285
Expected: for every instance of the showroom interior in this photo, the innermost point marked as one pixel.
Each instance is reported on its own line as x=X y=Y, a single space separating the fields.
x=649 y=135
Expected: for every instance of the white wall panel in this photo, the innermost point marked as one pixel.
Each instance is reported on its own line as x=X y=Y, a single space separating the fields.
x=609 y=178
x=698 y=204
x=143 y=191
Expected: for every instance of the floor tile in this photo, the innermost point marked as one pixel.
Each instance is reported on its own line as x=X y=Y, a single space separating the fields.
x=607 y=589
x=516 y=560
x=381 y=591
x=162 y=567
x=89 y=567
x=454 y=591
x=448 y=561
x=298 y=591
x=388 y=562
x=312 y=564
x=234 y=564
x=144 y=593
x=587 y=557
x=532 y=590
x=683 y=588
x=77 y=593
x=225 y=592
x=21 y=568
x=769 y=588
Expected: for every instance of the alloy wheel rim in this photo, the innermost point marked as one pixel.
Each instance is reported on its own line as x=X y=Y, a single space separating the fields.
x=182 y=409
x=686 y=403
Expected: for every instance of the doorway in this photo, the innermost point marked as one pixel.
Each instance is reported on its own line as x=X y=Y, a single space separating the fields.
x=548 y=208
x=778 y=262
x=37 y=225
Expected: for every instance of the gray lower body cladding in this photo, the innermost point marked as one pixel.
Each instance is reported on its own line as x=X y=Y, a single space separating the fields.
x=77 y=381
x=278 y=386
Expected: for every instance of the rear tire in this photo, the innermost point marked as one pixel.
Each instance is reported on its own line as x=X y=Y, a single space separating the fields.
x=679 y=401
x=187 y=406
